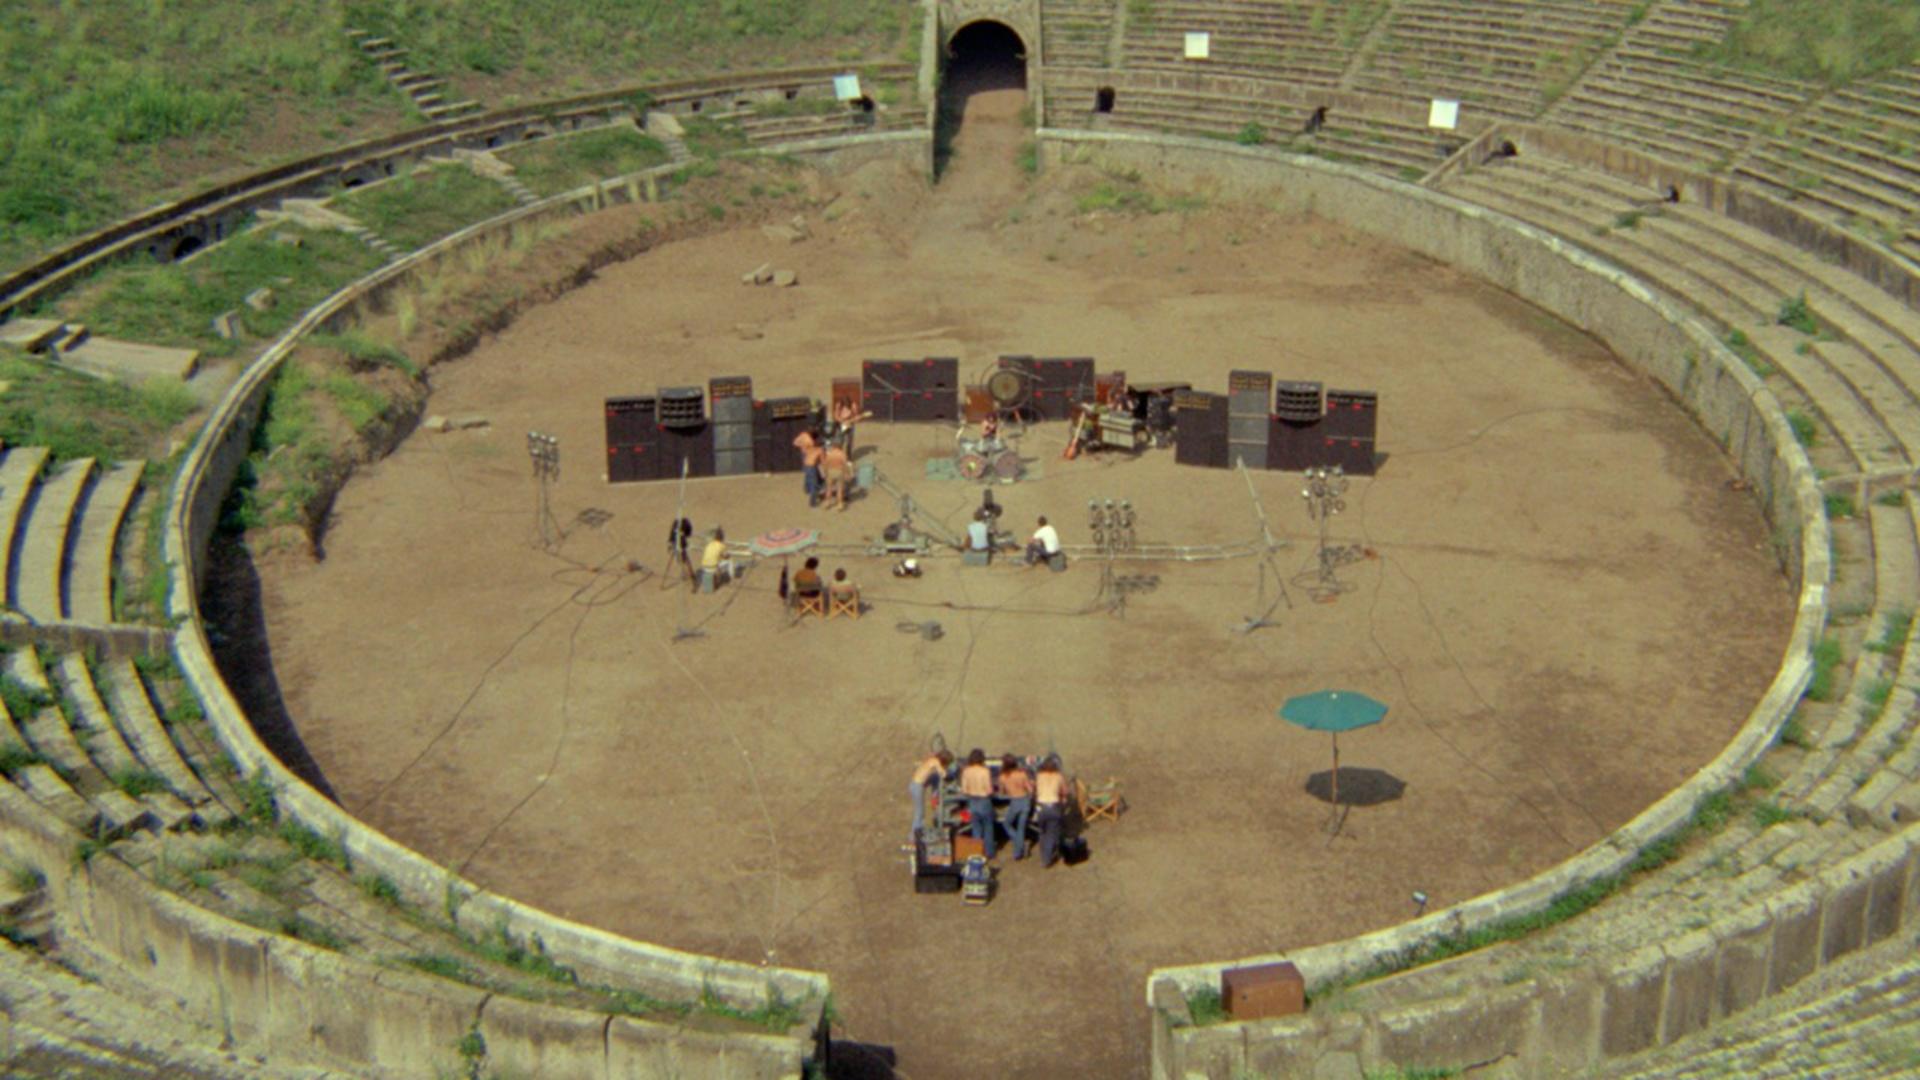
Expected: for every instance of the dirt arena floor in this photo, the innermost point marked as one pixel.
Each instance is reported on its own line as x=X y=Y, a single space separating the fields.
x=1569 y=611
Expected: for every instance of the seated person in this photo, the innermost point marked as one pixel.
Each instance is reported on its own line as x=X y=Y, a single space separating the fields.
x=1045 y=543
x=842 y=589
x=807 y=582
x=714 y=563
x=979 y=532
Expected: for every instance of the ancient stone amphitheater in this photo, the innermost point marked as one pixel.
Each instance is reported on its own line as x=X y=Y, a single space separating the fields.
x=1598 y=170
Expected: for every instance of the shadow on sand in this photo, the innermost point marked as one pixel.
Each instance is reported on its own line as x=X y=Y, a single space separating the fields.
x=1358 y=787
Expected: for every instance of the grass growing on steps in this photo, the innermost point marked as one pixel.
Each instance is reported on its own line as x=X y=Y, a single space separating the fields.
x=414 y=211
x=551 y=166
x=77 y=416
x=175 y=303
x=1832 y=41
x=489 y=48
x=108 y=108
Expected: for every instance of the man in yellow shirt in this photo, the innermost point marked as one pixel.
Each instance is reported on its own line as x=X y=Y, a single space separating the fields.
x=713 y=560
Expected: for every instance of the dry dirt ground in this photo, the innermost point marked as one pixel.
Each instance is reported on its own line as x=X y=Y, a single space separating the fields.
x=1568 y=612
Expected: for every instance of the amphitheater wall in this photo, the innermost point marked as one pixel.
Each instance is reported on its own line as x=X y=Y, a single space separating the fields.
x=221 y=970
x=1651 y=334
x=1740 y=202
x=1570 y=1022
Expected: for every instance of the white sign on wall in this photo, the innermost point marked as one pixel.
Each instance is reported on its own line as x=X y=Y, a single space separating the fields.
x=1443 y=114
x=1198 y=45
x=846 y=87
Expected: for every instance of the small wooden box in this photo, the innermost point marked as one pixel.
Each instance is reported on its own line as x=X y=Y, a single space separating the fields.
x=1253 y=993
x=965 y=846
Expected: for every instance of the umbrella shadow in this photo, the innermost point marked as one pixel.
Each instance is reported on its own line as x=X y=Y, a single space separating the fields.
x=1358 y=787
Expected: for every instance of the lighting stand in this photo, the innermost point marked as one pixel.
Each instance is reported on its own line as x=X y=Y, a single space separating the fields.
x=544 y=451
x=1111 y=525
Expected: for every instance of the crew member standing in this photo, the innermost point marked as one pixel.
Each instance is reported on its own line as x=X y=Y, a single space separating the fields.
x=976 y=783
x=931 y=769
x=1050 y=795
x=808 y=443
x=1016 y=786
x=835 y=466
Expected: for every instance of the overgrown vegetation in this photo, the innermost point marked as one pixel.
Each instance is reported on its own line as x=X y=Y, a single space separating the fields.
x=1206 y=1006
x=551 y=166
x=1804 y=429
x=1122 y=192
x=1893 y=636
x=176 y=303
x=1826 y=661
x=1832 y=41
x=100 y=103
x=413 y=211
x=76 y=416
x=1794 y=313
x=1743 y=347
x=573 y=46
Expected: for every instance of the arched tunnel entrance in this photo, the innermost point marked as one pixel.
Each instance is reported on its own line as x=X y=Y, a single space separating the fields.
x=984 y=82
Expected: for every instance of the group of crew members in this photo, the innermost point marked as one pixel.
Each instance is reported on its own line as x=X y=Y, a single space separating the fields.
x=826 y=457
x=1033 y=793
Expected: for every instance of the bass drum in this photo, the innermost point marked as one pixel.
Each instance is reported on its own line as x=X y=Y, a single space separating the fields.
x=1006 y=467
x=971 y=466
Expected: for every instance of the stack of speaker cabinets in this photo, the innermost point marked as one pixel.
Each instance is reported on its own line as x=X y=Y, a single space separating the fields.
x=1200 y=429
x=1060 y=383
x=685 y=436
x=633 y=440
x=1352 y=421
x=903 y=390
x=1248 y=422
x=732 y=405
x=786 y=419
x=1294 y=439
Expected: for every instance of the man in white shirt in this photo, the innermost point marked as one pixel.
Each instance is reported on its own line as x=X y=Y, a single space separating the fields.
x=1045 y=543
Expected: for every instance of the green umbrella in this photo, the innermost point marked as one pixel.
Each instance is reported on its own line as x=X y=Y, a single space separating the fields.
x=1333 y=711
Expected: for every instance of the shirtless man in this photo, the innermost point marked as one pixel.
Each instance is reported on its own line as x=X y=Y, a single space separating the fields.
x=1016 y=786
x=1050 y=797
x=835 y=464
x=932 y=768
x=976 y=783
x=810 y=453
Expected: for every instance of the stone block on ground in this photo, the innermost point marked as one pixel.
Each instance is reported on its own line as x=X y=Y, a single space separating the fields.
x=666 y=125
x=288 y=239
x=748 y=332
x=226 y=325
x=133 y=362
x=468 y=422
x=782 y=234
x=759 y=275
x=785 y=278
x=260 y=299
x=1635 y=993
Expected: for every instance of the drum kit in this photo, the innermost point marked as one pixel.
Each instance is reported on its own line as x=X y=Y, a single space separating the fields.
x=989 y=458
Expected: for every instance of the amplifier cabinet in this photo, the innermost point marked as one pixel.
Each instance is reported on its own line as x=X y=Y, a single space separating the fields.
x=1071 y=374
x=1262 y=991
x=694 y=445
x=682 y=406
x=1293 y=445
x=1354 y=456
x=631 y=464
x=930 y=404
x=940 y=373
x=1353 y=414
x=733 y=461
x=1200 y=429
x=630 y=420
x=1297 y=400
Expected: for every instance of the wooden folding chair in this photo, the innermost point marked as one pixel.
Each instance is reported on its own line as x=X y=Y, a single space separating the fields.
x=848 y=605
x=1101 y=801
x=806 y=604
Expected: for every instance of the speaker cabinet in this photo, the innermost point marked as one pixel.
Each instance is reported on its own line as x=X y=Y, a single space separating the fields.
x=1200 y=429
x=630 y=420
x=682 y=407
x=1297 y=400
x=1353 y=414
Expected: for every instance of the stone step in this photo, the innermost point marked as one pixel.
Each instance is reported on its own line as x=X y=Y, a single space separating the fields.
x=132 y=709
x=30 y=335
x=451 y=111
x=46 y=787
x=47 y=530
x=132 y=362
x=427 y=99
x=1860 y=434
x=90 y=577
x=19 y=472
x=94 y=728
